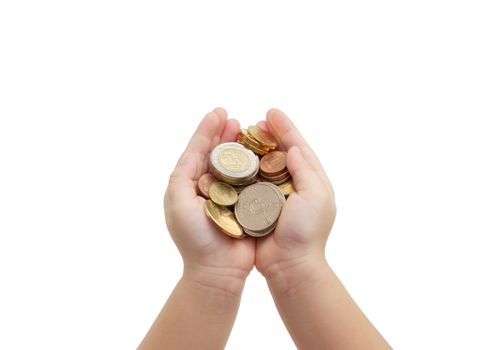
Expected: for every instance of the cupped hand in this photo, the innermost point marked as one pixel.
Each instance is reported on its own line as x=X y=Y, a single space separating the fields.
x=308 y=214
x=204 y=248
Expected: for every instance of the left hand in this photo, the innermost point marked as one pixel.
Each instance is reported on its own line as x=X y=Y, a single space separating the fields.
x=209 y=256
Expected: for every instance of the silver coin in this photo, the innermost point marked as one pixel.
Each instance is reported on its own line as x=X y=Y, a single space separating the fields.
x=233 y=161
x=259 y=207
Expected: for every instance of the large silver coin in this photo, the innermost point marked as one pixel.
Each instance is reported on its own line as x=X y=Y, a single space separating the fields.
x=259 y=207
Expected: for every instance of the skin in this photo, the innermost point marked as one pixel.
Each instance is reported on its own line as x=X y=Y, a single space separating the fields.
x=314 y=305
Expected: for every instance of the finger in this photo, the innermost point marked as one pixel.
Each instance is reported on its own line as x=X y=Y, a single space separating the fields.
x=209 y=128
x=222 y=113
x=288 y=136
x=192 y=163
x=181 y=184
x=304 y=177
x=231 y=131
x=263 y=125
x=201 y=142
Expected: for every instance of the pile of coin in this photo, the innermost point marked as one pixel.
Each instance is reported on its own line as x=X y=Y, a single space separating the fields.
x=245 y=193
x=257 y=140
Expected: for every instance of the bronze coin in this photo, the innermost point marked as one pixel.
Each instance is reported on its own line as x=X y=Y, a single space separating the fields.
x=278 y=182
x=224 y=219
x=276 y=177
x=273 y=162
x=204 y=183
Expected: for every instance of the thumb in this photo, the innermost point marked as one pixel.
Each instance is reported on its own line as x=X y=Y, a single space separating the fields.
x=181 y=184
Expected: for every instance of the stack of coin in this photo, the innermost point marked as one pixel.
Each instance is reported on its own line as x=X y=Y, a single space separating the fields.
x=234 y=164
x=273 y=168
x=236 y=203
x=257 y=140
x=258 y=208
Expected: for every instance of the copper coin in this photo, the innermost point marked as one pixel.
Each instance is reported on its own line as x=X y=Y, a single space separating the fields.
x=273 y=162
x=259 y=206
x=278 y=182
x=204 y=183
x=276 y=177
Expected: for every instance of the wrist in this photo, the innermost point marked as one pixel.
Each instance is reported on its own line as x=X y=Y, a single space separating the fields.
x=223 y=281
x=290 y=277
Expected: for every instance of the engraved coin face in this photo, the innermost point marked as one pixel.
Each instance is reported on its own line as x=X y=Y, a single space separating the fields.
x=234 y=159
x=259 y=206
x=222 y=194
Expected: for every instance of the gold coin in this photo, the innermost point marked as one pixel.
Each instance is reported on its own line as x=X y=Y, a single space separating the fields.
x=254 y=149
x=250 y=140
x=222 y=194
x=263 y=137
x=287 y=188
x=224 y=219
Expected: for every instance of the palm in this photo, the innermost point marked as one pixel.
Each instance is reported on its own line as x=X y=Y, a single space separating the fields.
x=297 y=218
x=213 y=247
x=308 y=214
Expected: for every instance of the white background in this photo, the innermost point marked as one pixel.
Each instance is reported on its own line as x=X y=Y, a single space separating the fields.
x=401 y=101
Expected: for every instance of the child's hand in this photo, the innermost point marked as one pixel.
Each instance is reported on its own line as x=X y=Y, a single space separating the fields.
x=210 y=257
x=308 y=214
x=317 y=310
